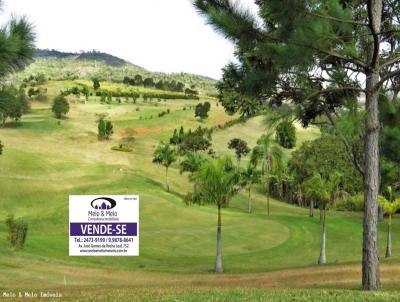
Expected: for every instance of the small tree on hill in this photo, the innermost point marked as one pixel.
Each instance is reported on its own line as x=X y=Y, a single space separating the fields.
x=202 y=110
x=96 y=84
x=165 y=155
x=391 y=205
x=138 y=80
x=85 y=91
x=105 y=129
x=60 y=106
x=286 y=134
x=240 y=147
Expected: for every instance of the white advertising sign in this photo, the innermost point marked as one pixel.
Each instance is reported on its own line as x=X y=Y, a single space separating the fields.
x=106 y=225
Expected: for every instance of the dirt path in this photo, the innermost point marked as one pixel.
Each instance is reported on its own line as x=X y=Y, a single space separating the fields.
x=38 y=275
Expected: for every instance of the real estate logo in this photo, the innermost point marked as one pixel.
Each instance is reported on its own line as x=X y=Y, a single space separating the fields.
x=104 y=225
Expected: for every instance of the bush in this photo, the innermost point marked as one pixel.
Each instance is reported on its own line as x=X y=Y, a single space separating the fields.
x=353 y=203
x=105 y=129
x=60 y=106
x=286 y=135
x=17 y=231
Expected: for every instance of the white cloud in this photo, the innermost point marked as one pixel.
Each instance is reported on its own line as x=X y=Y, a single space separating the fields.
x=160 y=35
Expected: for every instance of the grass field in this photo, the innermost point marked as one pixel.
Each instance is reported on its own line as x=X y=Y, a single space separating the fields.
x=44 y=162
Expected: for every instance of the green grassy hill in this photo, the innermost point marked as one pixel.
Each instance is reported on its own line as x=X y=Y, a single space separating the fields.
x=58 y=65
x=45 y=161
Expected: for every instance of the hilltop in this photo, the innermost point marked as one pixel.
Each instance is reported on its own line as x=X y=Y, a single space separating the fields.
x=90 y=55
x=58 y=65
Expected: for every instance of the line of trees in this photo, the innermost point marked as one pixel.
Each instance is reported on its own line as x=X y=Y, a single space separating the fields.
x=138 y=80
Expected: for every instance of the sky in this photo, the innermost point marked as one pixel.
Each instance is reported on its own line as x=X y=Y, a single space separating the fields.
x=159 y=35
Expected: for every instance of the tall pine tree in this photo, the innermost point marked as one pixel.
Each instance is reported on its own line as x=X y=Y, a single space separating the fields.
x=322 y=56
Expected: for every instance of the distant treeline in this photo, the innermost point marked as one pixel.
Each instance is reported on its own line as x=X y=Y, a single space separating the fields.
x=148 y=82
x=107 y=95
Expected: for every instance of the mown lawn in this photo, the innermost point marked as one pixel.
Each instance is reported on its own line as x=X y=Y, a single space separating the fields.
x=45 y=161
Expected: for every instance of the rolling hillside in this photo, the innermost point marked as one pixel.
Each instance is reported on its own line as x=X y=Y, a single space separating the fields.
x=58 y=65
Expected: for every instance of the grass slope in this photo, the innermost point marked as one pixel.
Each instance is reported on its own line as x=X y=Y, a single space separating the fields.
x=44 y=162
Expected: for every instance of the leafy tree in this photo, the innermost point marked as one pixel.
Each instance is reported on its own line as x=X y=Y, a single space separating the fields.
x=198 y=140
x=85 y=91
x=165 y=155
x=201 y=110
x=325 y=156
x=286 y=134
x=13 y=103
x=179 y=87
x=109 y=97
x=60 y=106
x=138 y=80
x=105 y=129
x=96 y=84
x=391 y=205
x=191 y=93
x=240 y=147
x=325 y=192
x=126 y=80
x=248 y=178
x=317 y=55
x=218 y=184
x=148 y=82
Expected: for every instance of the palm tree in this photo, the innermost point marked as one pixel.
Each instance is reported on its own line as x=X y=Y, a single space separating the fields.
x=270 y=153
x=390 y=206
x=17 y=45
x=192 y=162
x=325 y=192
x=165 y=155
x=218 y=180
x=249 y=177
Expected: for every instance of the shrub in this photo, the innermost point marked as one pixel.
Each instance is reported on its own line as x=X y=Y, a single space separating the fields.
x=60 y=106
x=286 y=135
x=17 y=231
x=105 y=129
x=353 y=203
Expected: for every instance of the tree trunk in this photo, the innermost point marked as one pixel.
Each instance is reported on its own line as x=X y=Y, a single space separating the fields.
x=322 y=254
x=267 y=184
x=311 y=208
x=321 y=214
x=370 y=258
x=389 y=239
x=218 y=261
x=381 y=214
x=166 y=179
x=249 y=201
